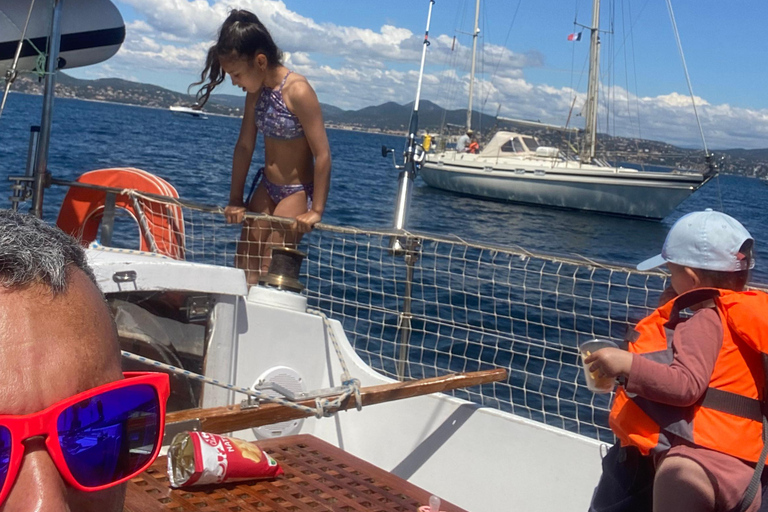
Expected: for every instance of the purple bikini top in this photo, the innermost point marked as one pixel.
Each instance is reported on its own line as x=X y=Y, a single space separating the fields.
x=273 y=118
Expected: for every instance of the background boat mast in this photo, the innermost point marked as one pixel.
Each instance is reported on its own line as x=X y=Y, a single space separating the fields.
x=590 y=130
x=472 y=69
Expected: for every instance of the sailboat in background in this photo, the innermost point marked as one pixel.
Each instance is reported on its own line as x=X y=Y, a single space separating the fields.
x=515 y=167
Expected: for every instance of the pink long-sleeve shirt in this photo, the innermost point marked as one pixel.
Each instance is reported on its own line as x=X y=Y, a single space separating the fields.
x=695 y=345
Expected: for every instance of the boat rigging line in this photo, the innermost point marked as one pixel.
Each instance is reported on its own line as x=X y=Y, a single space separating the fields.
x=501 y=54
x=11 y=73
x=707 y=154
x=711 y=170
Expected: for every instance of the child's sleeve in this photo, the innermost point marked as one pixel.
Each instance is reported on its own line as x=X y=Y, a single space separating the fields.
x=696 y=345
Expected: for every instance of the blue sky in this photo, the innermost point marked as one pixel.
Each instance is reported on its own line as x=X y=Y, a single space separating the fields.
x=367 y=52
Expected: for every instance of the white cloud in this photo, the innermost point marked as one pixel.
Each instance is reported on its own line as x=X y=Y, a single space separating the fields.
x=353 y=67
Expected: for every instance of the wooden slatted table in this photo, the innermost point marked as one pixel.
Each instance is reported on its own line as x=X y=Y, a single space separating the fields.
x=318 y=477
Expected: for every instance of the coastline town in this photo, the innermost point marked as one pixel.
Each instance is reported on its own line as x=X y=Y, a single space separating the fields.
x=388 y=118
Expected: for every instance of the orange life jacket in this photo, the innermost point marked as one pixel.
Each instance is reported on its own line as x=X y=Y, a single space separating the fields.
x=728 y=418
x=473 y=147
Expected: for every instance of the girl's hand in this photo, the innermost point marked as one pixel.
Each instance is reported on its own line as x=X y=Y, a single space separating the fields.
x=609 y=362
x=306 y=221
x=234 y=213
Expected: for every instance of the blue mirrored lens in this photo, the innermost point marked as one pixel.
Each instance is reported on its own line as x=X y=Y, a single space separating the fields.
x=110 y=436
x=5 y=454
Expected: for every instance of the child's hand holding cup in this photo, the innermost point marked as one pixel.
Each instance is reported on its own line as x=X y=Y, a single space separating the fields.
x=595 y=383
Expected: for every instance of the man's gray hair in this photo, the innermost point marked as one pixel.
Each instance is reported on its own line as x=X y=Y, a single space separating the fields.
x=32 y=251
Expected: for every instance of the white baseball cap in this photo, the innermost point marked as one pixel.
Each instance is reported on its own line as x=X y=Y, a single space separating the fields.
x=707 y=240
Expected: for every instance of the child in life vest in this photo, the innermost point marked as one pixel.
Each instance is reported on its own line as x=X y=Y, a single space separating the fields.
x=691 y=384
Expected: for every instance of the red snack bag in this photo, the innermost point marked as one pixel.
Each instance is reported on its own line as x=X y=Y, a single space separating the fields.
x=200 y=458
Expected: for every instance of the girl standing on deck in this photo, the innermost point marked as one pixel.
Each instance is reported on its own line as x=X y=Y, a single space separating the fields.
x=295 y=179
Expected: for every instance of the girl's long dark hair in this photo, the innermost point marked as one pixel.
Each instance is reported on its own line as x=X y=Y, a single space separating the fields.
x=241 y=36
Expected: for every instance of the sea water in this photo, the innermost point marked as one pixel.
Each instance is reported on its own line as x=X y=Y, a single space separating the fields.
x=196 y=156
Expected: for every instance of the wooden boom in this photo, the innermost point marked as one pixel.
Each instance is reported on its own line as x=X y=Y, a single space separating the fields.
x=219 y=420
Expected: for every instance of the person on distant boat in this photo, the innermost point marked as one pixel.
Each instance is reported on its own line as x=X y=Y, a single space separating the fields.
x=295 y=179
x=474 y=146
x=462 y=145
x=692 y=385
x=426 y=142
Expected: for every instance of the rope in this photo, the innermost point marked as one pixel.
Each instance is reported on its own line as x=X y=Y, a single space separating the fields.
x=323 y=406
x=353 y=385
x=317 y=412
x=39 y=61
x=143 y=224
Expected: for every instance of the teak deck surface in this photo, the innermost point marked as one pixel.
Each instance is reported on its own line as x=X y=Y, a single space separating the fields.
x=318 y=477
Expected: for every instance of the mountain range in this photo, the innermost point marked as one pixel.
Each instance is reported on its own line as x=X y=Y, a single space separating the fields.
x=394 y=118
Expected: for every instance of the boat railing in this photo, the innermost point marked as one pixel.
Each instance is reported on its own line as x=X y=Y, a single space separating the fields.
x=445 y=304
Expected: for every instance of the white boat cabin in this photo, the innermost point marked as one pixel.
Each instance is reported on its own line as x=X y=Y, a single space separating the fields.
x=518 y=145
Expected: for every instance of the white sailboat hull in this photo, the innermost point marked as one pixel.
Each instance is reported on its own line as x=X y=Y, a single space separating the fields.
x=617 y=191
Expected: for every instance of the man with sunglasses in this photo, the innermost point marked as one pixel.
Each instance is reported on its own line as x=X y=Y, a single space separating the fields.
x=73 y=427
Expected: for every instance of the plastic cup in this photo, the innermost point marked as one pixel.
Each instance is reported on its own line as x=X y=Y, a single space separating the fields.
x=594 y=383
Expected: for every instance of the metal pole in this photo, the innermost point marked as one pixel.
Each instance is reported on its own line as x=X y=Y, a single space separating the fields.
x=590 y=129
x=41 y=163
x=472 y=70
x=21 y=191
x=34 y=137
x=408 y=174
x=12 y=72
x=411 y=257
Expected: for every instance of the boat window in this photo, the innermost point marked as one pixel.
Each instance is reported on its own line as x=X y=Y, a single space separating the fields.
x=170 y=327
x=508 y=147
x=513 y=146
x=530 y=143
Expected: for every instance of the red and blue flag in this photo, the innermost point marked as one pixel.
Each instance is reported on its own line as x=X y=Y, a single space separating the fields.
x=576 y=36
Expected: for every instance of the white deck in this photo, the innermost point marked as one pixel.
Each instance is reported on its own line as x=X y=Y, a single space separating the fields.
x=476 y=457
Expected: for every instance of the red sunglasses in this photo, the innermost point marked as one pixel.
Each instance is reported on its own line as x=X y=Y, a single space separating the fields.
x=98 y=438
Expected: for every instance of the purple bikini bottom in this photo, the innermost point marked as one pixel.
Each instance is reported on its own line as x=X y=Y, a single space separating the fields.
x=279 y=192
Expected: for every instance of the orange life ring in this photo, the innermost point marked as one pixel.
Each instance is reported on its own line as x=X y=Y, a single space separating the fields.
x=82 y=209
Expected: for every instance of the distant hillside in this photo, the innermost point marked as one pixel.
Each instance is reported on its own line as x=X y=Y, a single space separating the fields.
x=392 y=117
x=227 y=100
x=123 y=91
x=760 y=154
